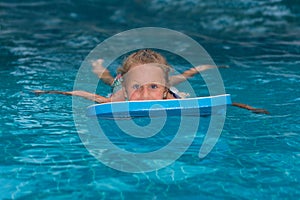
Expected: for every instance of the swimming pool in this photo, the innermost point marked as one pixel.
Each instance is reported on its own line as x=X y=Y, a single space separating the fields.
x=43 y=45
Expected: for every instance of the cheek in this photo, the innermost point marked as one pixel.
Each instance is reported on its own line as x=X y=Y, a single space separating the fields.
x=159 y=94
x=132 y=95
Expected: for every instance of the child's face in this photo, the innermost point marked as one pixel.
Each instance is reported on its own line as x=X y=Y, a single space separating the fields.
x=145 y=82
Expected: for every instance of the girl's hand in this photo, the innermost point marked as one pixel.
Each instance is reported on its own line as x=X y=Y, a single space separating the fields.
x=98 y=67
x=102 y=72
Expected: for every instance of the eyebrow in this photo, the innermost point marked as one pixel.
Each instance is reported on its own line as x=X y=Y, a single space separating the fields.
x=160 y=83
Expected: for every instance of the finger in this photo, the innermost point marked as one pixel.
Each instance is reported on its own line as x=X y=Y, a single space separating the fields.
x=38 y=92
x=260 y=111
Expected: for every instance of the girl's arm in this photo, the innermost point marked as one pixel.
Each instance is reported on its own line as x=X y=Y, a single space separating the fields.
x=255 y=110
x=79 y=93
x=174 y=80
x=102 y=72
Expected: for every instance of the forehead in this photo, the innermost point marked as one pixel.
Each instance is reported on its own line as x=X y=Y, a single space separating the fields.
x=147 y=73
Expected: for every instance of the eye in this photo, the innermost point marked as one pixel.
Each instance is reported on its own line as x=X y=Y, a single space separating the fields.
x=153 y=86
x=136 y=86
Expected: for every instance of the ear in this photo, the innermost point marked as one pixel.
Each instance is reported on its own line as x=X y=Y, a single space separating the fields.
x=165 y=94
x=124 y=93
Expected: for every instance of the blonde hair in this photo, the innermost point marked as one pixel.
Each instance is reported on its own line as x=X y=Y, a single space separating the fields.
x=144 y=56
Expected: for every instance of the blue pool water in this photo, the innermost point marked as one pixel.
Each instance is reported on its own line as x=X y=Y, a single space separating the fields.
x=42 y=45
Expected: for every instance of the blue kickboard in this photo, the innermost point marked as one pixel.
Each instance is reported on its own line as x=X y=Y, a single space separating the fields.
x=199 y=106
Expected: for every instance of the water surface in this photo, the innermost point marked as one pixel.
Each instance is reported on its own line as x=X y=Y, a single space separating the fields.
x=42 y=45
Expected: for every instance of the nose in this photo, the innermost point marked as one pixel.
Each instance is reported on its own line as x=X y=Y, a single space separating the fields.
x=144 y=93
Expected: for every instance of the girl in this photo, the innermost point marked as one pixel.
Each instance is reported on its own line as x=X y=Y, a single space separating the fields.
x=144 y=75
x=139 y=58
